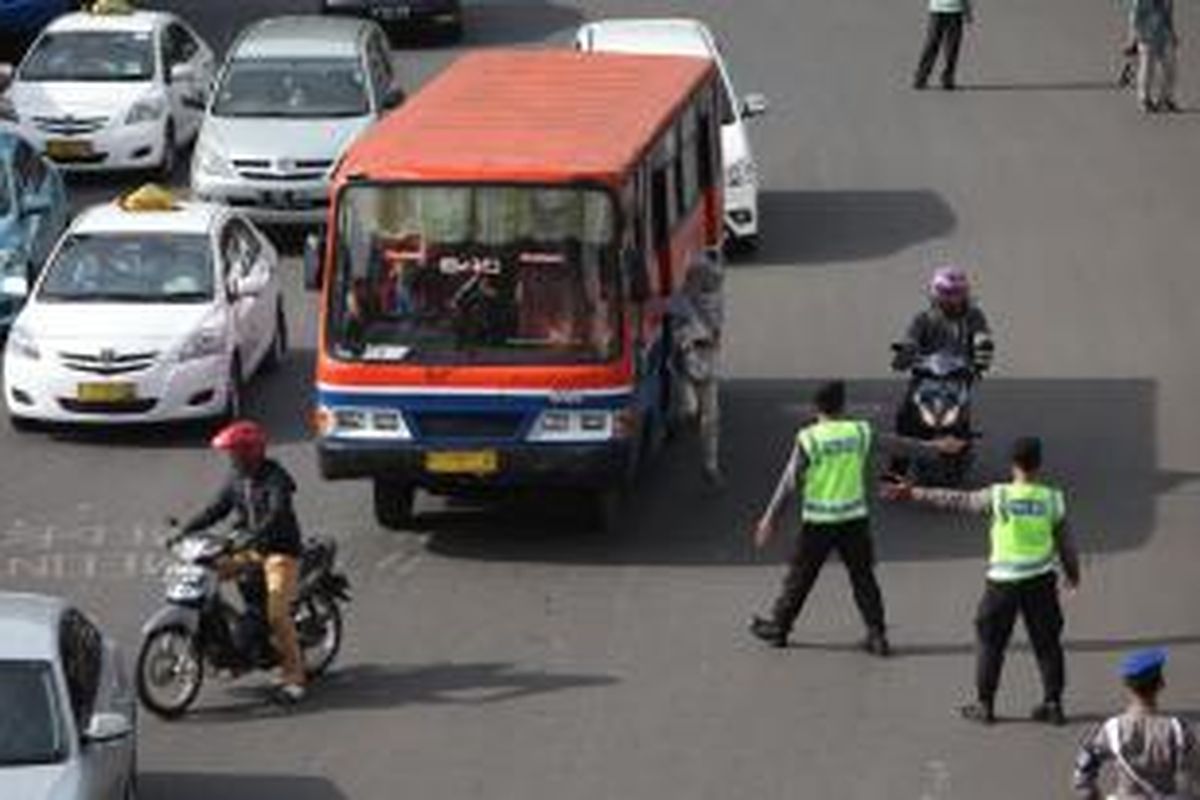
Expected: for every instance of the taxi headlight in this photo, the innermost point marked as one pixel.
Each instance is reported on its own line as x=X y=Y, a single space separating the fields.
x=146 y=111
x=740 y=173
x=203 y=344
x=210 y=161
x=21 y=343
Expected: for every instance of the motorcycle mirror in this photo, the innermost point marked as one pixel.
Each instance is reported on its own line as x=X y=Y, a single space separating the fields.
x=172 y=522
x=898 y=347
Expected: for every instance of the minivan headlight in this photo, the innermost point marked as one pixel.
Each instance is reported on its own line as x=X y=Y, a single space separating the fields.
x=740 y=173
x=210 y=161
x=21 y=343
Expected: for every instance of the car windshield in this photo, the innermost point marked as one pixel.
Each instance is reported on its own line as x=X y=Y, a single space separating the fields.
x=486 y=274
x=31 y=727
x=90 y=56
x=130 y=268
x=306 y=87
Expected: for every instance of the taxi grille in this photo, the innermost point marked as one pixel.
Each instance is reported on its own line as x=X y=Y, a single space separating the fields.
x=261 y=169
x=139 y=406
x=108 y=362
x=70 y=126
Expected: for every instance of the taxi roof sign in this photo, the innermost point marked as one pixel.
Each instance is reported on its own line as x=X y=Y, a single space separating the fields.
x=150 y=197
x=111 y=7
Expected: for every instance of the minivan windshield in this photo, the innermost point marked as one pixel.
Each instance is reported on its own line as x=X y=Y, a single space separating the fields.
x=292 y=87
x=90 y=56
x=130 y=268
x=31 y=725
x=475 y=274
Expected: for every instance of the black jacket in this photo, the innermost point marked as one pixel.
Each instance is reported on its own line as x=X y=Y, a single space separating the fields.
x=932 y=331
x=262 y=507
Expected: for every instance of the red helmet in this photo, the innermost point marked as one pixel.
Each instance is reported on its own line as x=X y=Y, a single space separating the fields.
x=243 y=439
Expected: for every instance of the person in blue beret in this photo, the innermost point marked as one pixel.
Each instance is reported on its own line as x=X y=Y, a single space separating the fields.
x=1154 y=754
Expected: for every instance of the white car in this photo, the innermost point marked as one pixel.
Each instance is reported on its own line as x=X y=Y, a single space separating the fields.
x=111 y=91
x=689 y=37
x=68 y=727
x=148 y=310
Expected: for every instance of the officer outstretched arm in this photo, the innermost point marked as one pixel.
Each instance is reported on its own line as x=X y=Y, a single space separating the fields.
x=783 y=489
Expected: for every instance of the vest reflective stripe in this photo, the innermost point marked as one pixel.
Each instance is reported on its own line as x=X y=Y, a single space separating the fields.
x=832 y=484
x=1024 y=517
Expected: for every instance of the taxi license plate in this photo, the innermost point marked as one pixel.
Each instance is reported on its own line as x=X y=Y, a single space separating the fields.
x=472 y=462
x=106 y=392
x=68 y=149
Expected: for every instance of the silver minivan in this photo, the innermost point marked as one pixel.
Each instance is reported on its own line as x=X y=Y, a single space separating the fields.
x=293 y=93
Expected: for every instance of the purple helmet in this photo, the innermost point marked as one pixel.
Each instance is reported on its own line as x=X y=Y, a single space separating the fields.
x=949 y=283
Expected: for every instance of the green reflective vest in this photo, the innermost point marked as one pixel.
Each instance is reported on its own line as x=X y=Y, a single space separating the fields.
x=832 y=486
x=1024 y=517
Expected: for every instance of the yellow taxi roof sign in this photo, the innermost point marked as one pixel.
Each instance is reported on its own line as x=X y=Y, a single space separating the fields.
x=111 y=7
x=150 y=197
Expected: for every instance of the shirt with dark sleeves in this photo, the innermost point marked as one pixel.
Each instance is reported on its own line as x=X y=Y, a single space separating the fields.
x=980 y=502
x=261 y=505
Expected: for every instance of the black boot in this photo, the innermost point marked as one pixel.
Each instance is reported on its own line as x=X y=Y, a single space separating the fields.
x=979 y=711
x=769 y=631
x=1050 y=712
x=877 y=644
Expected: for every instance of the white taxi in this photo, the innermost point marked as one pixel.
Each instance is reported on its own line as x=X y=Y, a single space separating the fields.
x=111 y=89
x=149 y=309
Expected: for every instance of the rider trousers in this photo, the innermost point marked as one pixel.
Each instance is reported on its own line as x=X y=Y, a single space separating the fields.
x=282 y=574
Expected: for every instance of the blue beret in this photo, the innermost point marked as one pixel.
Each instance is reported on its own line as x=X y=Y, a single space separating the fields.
x=1143 y=662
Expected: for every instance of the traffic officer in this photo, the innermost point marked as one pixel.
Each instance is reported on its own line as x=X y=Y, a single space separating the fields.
x=827 y=467
x=1155 y=754
x=1029 y=530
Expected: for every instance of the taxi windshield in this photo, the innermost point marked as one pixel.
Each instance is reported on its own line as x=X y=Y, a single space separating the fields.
x=31 y=730
x=130 y=268
x=482 y=274
x=306 y=87
x=90 y=56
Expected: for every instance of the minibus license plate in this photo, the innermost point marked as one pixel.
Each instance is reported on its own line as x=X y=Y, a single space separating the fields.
x=472 y=462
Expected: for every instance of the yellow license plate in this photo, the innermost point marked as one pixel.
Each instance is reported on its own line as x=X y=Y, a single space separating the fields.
x=68 y=149
x=472 y=462
x=106 y=392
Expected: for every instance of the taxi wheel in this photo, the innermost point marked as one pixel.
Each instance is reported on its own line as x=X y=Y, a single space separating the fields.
x=167 y=168
x=393 y=503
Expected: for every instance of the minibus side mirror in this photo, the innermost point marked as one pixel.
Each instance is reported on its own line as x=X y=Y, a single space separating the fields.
x=314 y=251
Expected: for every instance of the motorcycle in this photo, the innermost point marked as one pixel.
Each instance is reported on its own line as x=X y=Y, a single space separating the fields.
x=936 y=405
x=207 y=622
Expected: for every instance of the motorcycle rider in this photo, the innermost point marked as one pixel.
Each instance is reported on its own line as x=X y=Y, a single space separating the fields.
x=953 y=324
x=258 y=493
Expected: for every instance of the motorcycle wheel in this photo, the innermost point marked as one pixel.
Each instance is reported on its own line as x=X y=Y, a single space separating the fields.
x=169 y=657
x=319 y=627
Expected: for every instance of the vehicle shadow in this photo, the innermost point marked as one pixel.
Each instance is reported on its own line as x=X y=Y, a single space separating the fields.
x=206 y=785
x=822 y=227
x=515 y=22
x=937 y=649
x=672 y=520
x=381 y=686
x=1043 y=86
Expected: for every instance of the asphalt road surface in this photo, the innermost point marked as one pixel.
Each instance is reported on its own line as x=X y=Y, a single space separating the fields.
x=508 y=654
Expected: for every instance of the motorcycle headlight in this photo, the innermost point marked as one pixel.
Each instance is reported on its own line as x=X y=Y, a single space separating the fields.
x=740 y=173
x=21 y=343
x=950 y=419
x=928 y=417
x=210 y=161
x=204 y=343
x=146 y=111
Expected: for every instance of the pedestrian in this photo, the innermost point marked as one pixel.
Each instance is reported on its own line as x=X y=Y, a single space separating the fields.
x=1029 y=533
x=827 y=467
x=1155 y=754
x=943 y=34
x=697 y=317
x=1152 y=32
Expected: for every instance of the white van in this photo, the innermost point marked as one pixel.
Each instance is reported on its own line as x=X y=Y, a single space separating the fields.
x=690 y=37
